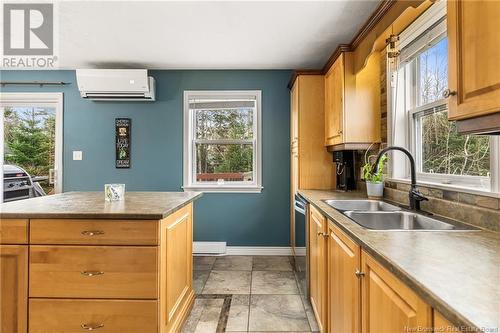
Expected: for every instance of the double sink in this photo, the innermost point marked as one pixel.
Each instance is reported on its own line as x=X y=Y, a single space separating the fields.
x=379 y=215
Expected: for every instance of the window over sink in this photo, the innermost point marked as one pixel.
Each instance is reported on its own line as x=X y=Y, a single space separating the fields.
x=418 y=117
x=222 y=141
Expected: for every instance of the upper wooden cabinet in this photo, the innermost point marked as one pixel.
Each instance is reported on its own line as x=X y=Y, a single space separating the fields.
x=474 y=58
x=352 y=103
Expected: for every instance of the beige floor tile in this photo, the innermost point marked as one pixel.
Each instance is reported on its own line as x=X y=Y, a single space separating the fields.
x=274 y=282
x=277 y=313
x=228 y=282
x=271 y=263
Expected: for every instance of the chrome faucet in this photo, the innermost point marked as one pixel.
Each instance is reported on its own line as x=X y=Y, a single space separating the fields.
x=415 y=197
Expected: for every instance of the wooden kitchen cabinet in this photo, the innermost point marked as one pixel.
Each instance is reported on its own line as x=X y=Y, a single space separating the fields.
x=13 y=288
x=176 y=269
x=388 y=305
x=344 y=286
x=474 y=58
x=311 y=165
x=317 y=266
x=352 y=103
x=441 y=324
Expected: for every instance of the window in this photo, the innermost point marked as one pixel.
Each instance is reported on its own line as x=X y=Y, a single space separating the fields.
x=222 y=141
x=419 y=117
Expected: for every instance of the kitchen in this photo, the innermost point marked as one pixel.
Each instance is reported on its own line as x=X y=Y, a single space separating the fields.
x=345 y=181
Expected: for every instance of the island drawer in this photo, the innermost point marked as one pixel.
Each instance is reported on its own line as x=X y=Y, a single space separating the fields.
x=106 y=316
x=13 y=231
x=93 y=272
x=94 y=232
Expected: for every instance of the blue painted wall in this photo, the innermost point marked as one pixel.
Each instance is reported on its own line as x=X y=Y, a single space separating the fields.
x=157 y=134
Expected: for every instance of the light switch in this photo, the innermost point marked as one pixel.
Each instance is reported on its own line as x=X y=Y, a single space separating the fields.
x=77 y=155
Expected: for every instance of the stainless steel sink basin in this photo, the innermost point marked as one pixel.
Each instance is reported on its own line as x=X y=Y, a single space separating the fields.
x=361 y=205
x=401 y=220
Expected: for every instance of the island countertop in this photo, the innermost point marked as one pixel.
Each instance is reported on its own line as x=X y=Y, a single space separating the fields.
x=85 y=205
x=456 y=272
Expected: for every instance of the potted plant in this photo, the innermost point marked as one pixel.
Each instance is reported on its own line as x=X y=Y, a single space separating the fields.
x=374 y=181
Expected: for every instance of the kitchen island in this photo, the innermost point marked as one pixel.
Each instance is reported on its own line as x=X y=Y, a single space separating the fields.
x=72 y=262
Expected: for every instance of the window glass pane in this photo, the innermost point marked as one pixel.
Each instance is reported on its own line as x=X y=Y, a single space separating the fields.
x=29 y=144
x=444 y=151
x=432 y=73
x=234 y=123
x=228 y=162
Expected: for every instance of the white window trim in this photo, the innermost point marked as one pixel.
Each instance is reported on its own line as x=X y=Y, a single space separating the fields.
x=233 y=187
x=54 y=100
x=399 y=169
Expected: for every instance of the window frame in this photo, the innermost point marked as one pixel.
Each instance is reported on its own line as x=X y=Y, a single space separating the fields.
x=190 y=141
x=399 y=167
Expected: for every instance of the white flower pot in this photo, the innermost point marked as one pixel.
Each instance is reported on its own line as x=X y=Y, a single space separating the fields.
x=375 y=189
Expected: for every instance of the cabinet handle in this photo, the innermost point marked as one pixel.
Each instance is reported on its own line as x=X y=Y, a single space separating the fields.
x=447 y=93
x=92 y=273
x=359 y=274
x=340 y=132
x=91 y=327
x=92 y=232
x=322 y=234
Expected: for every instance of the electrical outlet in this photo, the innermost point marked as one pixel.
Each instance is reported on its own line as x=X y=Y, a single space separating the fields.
x=77 y=155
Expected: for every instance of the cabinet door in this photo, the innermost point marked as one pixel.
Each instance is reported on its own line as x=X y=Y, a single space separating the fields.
x=317 y=271
x=13 y=288
x=474 y=55
x=176 y=269
x=344 y=303
x=389 y=306
x=334 y=103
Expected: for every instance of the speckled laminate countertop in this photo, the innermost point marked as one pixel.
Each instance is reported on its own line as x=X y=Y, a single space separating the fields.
x=456 y=272
x=137 y=205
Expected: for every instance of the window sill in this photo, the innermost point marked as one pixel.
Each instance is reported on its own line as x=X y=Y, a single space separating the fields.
x=447 y=187
x=224 y=189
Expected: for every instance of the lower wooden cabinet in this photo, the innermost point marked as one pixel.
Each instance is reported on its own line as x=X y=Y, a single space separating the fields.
x=176 y=269
x=317 y=264
x=13 y=288
x=108 y=316
x=387 y=304
x=351 y=292
x=344 y=308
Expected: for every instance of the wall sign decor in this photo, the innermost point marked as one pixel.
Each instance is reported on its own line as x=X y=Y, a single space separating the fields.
x=123 y=127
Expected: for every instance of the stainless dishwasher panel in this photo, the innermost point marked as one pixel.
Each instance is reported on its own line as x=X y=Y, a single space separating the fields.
x=300 y=246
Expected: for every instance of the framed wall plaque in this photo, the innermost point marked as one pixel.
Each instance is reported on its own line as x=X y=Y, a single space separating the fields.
x=123 y=128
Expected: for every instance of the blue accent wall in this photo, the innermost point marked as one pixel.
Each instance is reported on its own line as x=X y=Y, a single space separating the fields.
x=157 y=148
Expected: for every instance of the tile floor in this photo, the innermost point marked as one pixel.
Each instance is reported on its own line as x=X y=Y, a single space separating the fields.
x=248 y=294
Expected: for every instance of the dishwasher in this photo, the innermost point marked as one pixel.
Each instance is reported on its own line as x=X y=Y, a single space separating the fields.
x=299 y=243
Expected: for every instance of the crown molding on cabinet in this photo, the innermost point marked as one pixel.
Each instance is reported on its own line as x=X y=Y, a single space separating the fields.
x=381 y=10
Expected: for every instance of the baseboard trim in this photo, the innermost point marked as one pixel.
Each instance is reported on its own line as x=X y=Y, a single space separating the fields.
x=259 y=250
x=220 y=249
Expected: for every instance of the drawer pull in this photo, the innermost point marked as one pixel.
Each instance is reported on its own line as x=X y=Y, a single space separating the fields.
x=92 y=273
x=92 y=232
x=91 y=327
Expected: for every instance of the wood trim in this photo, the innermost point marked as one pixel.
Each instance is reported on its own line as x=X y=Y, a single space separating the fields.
x=296 y=73
x=377 y=15
x=372 y=21
x=488 y=124
x=338 y=51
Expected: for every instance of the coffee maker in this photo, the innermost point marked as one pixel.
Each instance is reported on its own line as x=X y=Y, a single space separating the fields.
x=344 y=160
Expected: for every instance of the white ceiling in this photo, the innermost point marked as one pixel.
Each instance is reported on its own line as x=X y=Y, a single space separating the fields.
x=206 y=34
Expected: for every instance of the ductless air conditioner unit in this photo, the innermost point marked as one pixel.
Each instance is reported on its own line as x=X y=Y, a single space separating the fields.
x=116 y=84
